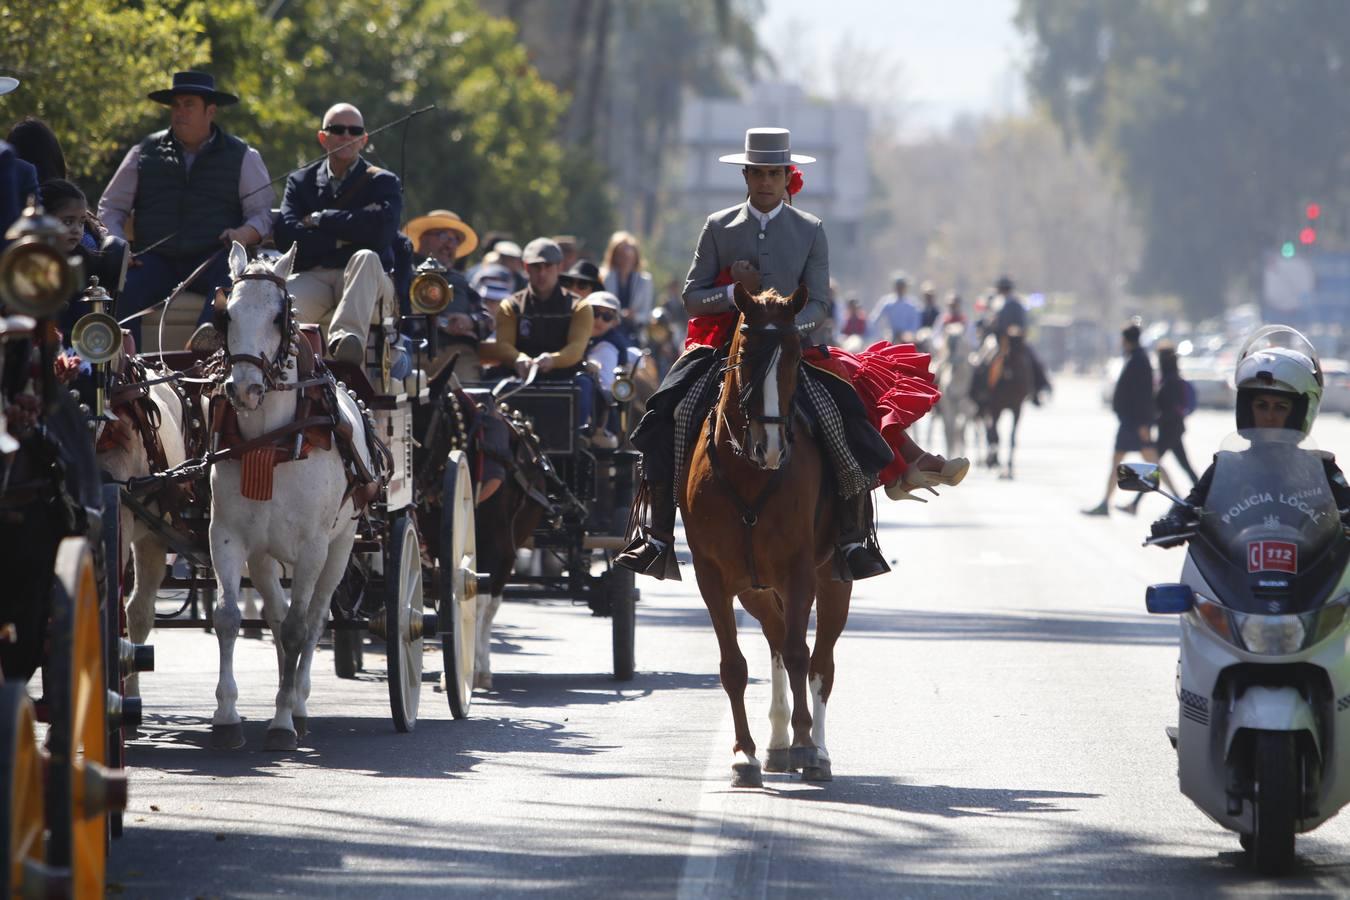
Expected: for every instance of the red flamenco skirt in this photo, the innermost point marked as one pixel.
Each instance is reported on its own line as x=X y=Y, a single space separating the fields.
x=894 y=384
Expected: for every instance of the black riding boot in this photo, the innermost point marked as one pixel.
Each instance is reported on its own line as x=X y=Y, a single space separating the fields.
x=653 y=551
x=856 y=555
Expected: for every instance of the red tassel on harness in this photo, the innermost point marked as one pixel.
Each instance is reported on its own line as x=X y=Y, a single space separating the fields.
x=255 y=477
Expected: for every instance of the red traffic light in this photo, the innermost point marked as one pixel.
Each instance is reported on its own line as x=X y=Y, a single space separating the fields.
x=1314 y=210
x=1307 y=236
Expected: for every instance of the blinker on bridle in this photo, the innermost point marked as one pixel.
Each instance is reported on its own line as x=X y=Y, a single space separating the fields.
x=271 y=370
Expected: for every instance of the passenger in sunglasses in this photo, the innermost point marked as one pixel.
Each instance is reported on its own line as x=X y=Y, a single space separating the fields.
x=344 y=214
x=608 y=346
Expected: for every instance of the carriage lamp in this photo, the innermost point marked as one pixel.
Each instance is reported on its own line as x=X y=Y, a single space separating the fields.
x=431 y=292
x=36 y=278
x=97 y=338
x=623 y=387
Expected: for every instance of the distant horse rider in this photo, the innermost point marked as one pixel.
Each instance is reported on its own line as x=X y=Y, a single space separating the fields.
x=763 y=243
x=1009 y=320
x=192 y=190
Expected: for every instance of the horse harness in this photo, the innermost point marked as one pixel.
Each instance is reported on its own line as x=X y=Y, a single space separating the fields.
x=317 y=420
x=749 y=510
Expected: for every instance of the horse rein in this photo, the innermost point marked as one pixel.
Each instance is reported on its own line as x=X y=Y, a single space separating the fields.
x=779 y=334
x=272 y=370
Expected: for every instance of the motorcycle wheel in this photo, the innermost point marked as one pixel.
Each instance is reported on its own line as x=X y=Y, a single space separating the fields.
x=1276 y=801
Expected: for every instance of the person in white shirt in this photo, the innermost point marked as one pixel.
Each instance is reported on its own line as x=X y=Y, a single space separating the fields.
x=193 y=189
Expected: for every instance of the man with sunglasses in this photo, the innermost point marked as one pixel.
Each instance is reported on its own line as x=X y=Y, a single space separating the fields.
x=185 y=193
x=343 y=214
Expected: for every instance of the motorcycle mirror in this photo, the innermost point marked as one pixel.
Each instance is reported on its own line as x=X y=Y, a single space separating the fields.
x=1169 y=599
x=1138 y=477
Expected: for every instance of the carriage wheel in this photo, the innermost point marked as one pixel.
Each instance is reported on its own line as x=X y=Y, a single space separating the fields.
x=82 y=789
x=403 y=621
x=113 y=627
x=20 y=788
x=618 y=585
x=348 y=652
x=457 y=612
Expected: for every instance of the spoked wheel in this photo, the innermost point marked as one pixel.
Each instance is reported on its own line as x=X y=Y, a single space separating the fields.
x=21 y=827
x=457 y=612
x=1276 y=803
x=82 y=790
x=403 y=621
x=623 y=621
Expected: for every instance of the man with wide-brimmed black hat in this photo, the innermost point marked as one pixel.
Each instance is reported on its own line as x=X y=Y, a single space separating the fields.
x=186 y=192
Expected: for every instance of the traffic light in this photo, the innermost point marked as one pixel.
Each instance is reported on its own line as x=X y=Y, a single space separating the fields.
x=1287 y=250
x=1307 y=236
x=1313 y=210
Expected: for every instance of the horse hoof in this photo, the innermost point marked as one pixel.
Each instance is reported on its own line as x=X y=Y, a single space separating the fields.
x=746 y=775
x=819 y=772
x=778 y=760
x=301 y=726
x=804 y=758
x=280 y=739
x=227 y=737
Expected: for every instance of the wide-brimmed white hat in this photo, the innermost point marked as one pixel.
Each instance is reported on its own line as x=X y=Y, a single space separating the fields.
x=767 y=147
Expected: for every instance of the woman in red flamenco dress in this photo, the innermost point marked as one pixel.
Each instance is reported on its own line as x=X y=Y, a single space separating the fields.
x=896 y=387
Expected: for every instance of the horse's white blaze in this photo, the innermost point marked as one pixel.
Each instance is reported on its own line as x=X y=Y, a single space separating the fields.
x=779 y=710
x=817 y=683
x=773 y=434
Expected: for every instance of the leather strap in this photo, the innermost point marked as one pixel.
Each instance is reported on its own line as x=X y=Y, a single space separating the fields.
x=749 y=511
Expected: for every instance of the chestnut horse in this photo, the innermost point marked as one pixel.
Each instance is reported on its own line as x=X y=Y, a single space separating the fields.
x=759 y=519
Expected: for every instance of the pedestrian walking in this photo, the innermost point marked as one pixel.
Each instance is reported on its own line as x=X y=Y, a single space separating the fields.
x=1133 y=405
x=1174 y=401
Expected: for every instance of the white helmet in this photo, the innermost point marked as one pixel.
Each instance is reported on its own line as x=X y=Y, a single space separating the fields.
x=1277 y=359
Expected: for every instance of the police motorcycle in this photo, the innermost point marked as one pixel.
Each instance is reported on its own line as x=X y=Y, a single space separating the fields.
x=1263 y=682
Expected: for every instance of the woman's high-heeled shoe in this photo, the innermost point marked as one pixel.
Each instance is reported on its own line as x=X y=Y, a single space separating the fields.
x=953 y=470
x=903 y=488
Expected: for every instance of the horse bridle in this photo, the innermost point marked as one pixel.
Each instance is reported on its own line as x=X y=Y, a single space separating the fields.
x=779 y=335
x=272 y=370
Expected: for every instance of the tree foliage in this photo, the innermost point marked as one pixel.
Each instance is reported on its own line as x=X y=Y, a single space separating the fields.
x=1223 y=120
x=86 y=67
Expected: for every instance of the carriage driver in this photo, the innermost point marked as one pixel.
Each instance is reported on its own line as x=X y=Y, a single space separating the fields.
x=443 y=236
x=545 y=326
x=193 y=189
x=343 y=214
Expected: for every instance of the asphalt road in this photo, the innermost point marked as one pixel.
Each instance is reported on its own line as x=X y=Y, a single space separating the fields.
x=996 y=730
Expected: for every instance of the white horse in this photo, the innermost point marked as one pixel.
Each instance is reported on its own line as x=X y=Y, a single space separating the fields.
x=954 y=371
x=129 y=459
x=309 y=525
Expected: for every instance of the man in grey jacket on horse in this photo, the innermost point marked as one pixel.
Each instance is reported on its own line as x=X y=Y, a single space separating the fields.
x=761 y=243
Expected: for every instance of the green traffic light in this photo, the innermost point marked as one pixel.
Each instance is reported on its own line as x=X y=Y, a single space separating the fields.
x=1287 y=251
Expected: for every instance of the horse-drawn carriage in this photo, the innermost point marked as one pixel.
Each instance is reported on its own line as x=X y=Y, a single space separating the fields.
x=417 y=547
x=60 y=612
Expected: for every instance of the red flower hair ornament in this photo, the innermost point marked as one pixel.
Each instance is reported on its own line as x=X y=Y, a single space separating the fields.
x=795 y=182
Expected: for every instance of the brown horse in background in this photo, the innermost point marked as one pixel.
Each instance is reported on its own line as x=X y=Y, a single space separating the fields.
x=1010 y=383
x=759 y=518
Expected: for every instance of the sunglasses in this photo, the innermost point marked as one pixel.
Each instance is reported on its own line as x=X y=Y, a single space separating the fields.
x=353 y=130
x=605 y=315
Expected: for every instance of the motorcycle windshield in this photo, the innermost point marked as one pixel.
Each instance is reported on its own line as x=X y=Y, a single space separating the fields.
x=1272 y=541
